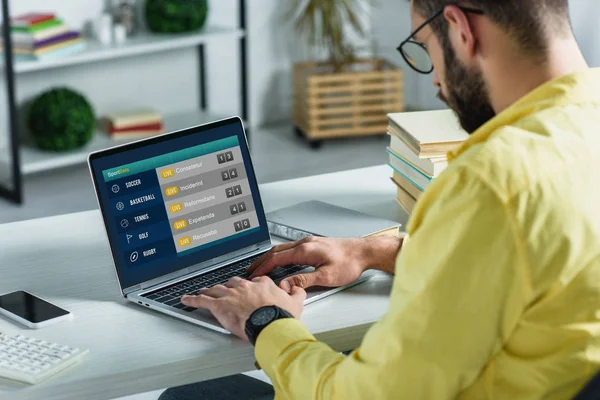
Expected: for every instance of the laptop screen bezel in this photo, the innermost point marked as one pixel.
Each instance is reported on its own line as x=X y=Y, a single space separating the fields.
x=262 y=236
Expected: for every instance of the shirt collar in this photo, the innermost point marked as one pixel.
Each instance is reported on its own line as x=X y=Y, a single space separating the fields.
x=569 y=89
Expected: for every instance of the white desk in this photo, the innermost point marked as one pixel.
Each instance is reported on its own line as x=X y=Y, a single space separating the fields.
x=66 y=259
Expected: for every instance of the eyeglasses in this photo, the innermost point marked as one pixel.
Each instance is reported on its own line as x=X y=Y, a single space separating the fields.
x=415 y=53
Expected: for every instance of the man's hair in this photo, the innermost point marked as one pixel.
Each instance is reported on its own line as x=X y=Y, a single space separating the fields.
x=530 y=22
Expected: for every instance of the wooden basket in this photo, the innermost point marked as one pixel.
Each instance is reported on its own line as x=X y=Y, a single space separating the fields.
x=352 y=102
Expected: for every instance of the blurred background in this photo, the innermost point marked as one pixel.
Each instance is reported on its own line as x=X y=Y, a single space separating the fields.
x=312 y=79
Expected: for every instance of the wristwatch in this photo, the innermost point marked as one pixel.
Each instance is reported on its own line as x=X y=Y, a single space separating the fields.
x=261 y=318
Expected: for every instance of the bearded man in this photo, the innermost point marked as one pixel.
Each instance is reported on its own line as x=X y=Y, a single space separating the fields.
x=497 y=286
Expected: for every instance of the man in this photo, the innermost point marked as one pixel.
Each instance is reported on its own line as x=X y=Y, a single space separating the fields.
x=497 y=287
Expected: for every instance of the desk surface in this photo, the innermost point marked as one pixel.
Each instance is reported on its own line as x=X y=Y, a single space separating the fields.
x=66 y=260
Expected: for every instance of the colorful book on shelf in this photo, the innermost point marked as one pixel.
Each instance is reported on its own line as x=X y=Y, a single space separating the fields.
x=407 y=185
x=428 y=133
x=37 y=27
x=64 y=37
x=48 y=49
x=135 y=134
x=406 y=201
x=415 y=176
x=27 y=39
x=432 y=167
x=133 y=118
x=152 y=127
x=61 y=52
x=31 y=19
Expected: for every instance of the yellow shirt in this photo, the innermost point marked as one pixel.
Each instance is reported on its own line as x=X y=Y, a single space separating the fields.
x=497 y=291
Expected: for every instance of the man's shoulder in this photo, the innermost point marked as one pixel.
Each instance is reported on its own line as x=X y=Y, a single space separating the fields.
x=532 y=151
x=499 y=163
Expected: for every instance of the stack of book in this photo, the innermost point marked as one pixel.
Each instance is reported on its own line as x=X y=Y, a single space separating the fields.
x=417 y=152
x=136 y=124
x=39 y=36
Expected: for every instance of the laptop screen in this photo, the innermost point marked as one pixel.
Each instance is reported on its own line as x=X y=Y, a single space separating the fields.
x=178 y=200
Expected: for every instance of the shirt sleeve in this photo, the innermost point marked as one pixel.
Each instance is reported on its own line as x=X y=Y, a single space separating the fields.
x=459 y=290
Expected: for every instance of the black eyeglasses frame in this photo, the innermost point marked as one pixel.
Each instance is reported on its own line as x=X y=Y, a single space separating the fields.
x=421 y=27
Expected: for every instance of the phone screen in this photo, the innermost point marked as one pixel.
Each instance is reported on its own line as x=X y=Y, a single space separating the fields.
x=29 y=307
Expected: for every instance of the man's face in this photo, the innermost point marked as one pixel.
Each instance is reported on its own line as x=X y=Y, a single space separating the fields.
x=462 y=88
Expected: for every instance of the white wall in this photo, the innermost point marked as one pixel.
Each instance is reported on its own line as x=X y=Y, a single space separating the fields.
x=391 y=24
x=272 y=50
x=585 y=15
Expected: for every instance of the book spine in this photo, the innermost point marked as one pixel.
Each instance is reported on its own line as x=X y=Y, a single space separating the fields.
x=54 y=55
x=135 y=132
x=405 y=200
x=410 y=141
x=134 y=135
x=398 y=147
x=405 y=184
x=31 y=20
x=146 y=127
x=416 y=177
x=38 y=27
x=57 y=39
x=48 y=33
x=57 y=46
x=136 y=120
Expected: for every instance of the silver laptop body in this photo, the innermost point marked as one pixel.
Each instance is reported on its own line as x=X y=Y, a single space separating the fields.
x=137 y=293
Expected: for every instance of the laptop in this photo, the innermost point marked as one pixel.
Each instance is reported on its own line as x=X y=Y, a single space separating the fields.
x=183 y=212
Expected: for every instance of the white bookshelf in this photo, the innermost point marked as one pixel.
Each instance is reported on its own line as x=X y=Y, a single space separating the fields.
x=144 y=43
x=34 y=160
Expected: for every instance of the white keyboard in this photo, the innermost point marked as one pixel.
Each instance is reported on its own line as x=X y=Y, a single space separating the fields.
x=32 y=360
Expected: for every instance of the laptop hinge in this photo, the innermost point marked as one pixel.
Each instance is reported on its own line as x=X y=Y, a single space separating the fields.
x=132 y=289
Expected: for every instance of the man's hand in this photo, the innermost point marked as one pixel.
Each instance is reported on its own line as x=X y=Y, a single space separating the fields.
x=338 y=262
x=233 y=303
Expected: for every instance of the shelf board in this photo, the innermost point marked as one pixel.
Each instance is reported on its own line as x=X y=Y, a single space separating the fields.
x=143 y=43
x=34 y=160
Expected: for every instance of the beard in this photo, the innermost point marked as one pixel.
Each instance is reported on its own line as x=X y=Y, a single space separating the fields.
x=467 y=93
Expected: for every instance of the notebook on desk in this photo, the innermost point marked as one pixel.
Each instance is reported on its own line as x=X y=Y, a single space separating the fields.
x=316 y=218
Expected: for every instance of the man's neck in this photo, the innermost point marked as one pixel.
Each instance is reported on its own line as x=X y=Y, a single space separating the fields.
x=513 y=78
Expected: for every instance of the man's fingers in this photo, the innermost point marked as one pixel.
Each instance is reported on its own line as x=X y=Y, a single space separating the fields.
x=304 y=254
x=234 y=282
x=278 y=259
x=256 y=264
x=200 y=301
x=215 y=291
x=298 y=293
x=317 y=278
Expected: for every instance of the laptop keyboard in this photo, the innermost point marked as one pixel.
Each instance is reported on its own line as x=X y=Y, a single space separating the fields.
x=171 y=295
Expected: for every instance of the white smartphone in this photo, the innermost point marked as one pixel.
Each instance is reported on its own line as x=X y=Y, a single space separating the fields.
x=32 y=311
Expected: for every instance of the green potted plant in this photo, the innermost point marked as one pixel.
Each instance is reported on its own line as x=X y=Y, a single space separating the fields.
x=60 y=119
x=340 y=95
x=176 y=16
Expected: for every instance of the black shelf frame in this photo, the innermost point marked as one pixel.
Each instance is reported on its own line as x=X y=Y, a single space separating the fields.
x=13 y=191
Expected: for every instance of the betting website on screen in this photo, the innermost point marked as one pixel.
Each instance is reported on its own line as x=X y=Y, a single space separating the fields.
x=178 y=203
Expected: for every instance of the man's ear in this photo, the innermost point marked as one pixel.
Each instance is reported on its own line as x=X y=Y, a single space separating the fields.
x=460 y=32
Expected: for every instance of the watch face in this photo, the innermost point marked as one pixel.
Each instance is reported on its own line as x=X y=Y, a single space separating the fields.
x=263 y=317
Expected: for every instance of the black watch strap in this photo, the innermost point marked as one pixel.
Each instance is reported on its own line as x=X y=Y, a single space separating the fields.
x=261 y=318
